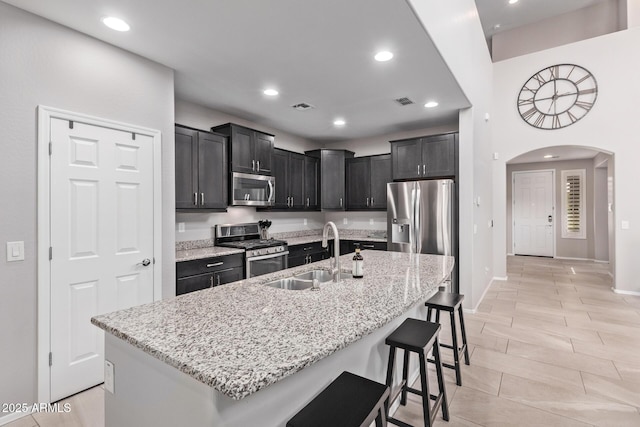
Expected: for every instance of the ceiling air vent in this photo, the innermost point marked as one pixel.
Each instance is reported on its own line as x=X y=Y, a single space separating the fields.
x=404 y=101
x=302 y=106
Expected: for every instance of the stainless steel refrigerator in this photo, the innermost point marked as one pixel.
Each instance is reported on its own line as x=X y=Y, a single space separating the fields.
x=422 y=218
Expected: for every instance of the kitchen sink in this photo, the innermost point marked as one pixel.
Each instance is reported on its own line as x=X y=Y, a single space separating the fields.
x=321 y=276
x=291 y=283
x=304 y=281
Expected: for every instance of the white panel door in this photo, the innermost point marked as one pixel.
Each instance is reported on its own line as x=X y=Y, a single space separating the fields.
x=533 y=213
x=101 y=232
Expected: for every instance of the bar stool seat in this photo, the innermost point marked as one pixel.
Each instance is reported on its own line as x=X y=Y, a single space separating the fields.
x=420 y=337
x=349 y=401
x=451 y=303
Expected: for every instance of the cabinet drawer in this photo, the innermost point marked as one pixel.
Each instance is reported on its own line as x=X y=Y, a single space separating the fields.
x=350 y=246
x=208 y=265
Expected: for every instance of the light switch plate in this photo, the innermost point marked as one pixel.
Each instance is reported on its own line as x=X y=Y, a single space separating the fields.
x=181 y=227
x=624 y=225
x=15 y=251
x=109 y=376
x=344 y=221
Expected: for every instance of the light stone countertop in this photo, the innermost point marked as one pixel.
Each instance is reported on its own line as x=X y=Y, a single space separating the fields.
x=241 y=337
x=208 y=252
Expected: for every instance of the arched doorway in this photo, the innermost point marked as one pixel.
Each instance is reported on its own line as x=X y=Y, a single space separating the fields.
x=559 y=203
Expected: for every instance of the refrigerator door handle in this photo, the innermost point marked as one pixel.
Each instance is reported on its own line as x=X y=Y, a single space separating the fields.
x=416 y=220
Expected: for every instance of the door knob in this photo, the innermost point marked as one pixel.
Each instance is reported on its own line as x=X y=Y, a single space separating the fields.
x=550 y=218
x=145 y=262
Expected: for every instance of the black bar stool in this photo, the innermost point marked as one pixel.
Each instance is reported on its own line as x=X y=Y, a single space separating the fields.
x=420 y=337
x=349 y=401
x=446 y=301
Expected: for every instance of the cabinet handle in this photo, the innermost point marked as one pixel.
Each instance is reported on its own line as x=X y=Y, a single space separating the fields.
x=307 y=202
x=424 y=169
x=372 y=201
x=258 y=163
x=340 y=201
x=368 y=246
x=215 y=264
x=308 y=248
x=218 y=279
x=367 y=202
x=291 y=201
x=202 y=199
x=211 y=281
x=418 y=169
x=195 y=199
x=253 y=165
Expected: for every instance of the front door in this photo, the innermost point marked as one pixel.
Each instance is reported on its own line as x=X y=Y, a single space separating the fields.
x=102 y=239
x=533 y=213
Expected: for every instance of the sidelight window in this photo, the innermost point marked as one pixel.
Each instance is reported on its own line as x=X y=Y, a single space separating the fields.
x=573 y=204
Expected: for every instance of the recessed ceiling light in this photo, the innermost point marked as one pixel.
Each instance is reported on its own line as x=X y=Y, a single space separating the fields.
x=496 y=27
x=270 y=92
x=115 y=23
x=383 y=56
x=339 y=122
x=431 y=104
x=513 y=1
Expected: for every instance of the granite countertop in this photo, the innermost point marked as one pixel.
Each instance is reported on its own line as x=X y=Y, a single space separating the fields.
x=242 y=337
x=309 y=236
x=200 y=253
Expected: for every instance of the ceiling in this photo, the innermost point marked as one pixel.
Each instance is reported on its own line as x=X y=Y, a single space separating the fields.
x=226 y=52
x=524 y=12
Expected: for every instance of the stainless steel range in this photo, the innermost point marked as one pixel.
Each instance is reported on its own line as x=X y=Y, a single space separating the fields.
x=262 y=256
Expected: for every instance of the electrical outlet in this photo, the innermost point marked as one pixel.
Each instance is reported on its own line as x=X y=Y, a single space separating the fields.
x=109 y=376
x=181 y=227
x=344 y=221
x=370 y=221
x=304 y=221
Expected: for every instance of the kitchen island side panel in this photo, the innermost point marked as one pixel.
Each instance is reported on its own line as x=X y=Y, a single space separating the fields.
x=149 y=392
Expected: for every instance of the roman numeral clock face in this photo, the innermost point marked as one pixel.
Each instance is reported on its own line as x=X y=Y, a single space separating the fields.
x=557 y=96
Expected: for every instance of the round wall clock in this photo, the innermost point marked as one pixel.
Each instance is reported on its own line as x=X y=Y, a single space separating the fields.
x=557 y=96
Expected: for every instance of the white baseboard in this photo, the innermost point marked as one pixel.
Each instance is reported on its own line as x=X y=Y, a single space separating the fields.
x=623 y=292
x=510 y=254
x=12 y=417
x=500 y=278
x=475 y=309
x=581 y=259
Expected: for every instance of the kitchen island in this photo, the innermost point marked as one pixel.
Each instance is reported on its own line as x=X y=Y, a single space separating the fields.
x=245 y=354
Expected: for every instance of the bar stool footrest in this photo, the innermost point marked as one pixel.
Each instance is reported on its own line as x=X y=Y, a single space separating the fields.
x=391 y=420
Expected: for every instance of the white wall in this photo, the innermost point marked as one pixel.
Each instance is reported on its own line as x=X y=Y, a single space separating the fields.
x=45 y=63
x=612 y=125
x=600 y=216
x=455 y=29
x=592 y=21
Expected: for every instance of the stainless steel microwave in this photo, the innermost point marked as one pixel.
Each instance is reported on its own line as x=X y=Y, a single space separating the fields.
x=252 y=190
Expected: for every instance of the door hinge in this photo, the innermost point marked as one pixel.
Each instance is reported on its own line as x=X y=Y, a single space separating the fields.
x=50 y=253
x=50 y=147
x=70 y=124
x=50 y=359
x=133 y=136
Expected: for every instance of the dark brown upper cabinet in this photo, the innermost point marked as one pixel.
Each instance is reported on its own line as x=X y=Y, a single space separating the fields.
x=296 y=177
x=332 y=177
x=250 y=151
x=201 y=169
x=366 y=179
x=426 y=157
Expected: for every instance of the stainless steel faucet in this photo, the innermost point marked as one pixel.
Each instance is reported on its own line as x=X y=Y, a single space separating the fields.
x=335 y=264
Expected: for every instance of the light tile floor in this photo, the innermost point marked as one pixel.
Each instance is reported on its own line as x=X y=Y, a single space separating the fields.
x=552 y=345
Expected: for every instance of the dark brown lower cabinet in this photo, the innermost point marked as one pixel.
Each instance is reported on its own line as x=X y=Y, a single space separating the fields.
x=208 y=272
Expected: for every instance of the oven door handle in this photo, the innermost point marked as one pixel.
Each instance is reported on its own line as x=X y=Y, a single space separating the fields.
x=258 y=258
